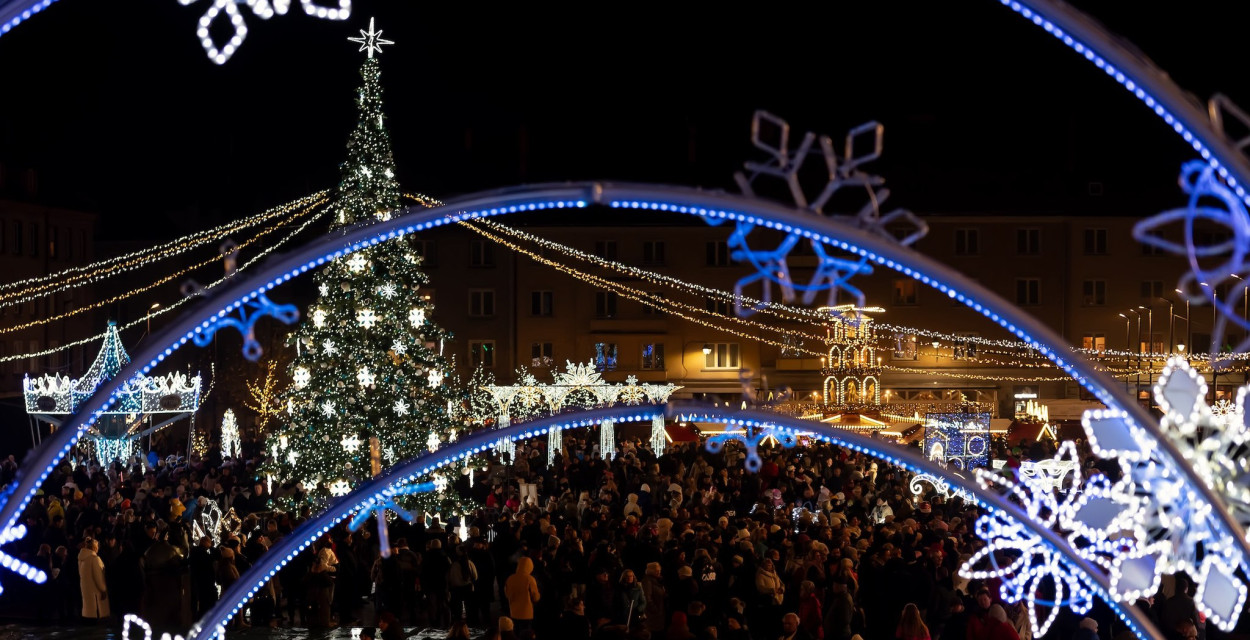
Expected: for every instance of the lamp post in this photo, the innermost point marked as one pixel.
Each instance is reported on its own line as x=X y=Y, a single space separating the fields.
x=1128 y=343
x=154 y=307
x=1137 y=314
x=1189 y=333
x=1171 y=325
x=1245 y=296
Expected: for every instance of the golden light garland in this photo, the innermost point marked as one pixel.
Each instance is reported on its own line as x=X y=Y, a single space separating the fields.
x=83 y=275
x=148 y=287
x=174 y=305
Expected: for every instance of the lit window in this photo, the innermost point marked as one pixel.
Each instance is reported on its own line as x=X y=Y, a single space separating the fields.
x=653 y=356
x=721 y=355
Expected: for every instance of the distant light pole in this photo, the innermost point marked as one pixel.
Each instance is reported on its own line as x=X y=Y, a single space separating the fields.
x=1171 y=325
x=1189 y=332
x=1128 y=340
x=155 y=306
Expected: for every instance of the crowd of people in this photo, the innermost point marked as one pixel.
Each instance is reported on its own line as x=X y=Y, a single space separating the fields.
x=821 y=544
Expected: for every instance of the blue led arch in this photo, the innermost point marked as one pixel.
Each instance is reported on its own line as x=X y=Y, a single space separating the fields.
x=234 y=600
x=679 y=200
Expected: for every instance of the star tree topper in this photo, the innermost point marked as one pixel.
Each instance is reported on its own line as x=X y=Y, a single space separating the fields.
x=371 y=41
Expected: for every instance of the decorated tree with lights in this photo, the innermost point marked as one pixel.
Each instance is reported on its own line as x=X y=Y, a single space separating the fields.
x=368 y=360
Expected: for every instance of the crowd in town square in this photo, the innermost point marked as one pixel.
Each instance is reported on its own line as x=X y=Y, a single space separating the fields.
x=820 y=544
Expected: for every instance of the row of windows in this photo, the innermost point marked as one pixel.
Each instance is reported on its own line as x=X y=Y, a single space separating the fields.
x=1028 y=291
x=1029 y=242
x=717 y=355
x=20 y=238
x=654 y=253
x=542 y=304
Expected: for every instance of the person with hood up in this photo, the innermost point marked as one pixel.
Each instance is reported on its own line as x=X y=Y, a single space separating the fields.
x=631 y=506
x=881 y=512
x=654 y=592
x=521 y=590
x=95 y=603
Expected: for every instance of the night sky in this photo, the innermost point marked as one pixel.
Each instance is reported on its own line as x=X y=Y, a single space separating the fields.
x=120 y=111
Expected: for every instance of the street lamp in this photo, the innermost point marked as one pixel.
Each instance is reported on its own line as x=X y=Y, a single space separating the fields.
x=1245 y=296
x=1150 y=326
x=155 y=306
x=1189 y=333
x=1171 y=325
x=1128 y=339
x=707 y=349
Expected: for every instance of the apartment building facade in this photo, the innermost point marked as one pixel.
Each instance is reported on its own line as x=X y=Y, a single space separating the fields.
x=1075 y=274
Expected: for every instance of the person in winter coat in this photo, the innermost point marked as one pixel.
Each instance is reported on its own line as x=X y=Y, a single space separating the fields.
x=630 y=601
x=461 y=578
x=998 y=627
x=631 y=506
x=654 y=592
x=95 y=604
x=811 y=618
x=521 y=590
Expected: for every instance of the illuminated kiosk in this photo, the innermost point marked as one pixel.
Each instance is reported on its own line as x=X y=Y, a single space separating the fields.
x=145 y=404
x=852 y=372
x=960 y=440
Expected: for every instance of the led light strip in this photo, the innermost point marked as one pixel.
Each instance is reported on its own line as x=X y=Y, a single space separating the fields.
x=670 y=306
x=777 y=309
x=167 y=309
x=148 y=287
x=136 y=259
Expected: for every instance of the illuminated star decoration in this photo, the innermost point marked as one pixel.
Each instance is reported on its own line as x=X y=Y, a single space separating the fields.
x=367 y=318
x=379 y=504
x=340 y=488
x=371 y=41
x=350 y=443
x=751 y=439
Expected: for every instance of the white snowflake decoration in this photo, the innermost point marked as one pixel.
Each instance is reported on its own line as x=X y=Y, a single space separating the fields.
x=365 y=378
x=356 y=263
x=319 y=318
x=433 y=441
x=340 y=488
x=401 y=407
x=324 y=289
x=366 y=317
x=388 y=291
x=329 y=348
x=351 y=443
x=327 y=408
x=416 y=317
x=632 y=394
x=292 y=456
x=399 y=348
x=436 y=378
x=578 y=375
x=301 y=377
x=440 y=483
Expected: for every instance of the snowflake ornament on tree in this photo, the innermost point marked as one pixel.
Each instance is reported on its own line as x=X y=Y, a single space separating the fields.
x=367 y=318
x=388 y=290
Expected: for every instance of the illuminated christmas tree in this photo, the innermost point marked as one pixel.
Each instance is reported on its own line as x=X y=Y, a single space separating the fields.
x=368 y=357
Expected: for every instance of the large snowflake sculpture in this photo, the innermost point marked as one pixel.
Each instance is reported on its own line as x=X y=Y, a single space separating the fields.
x=379 y=504
x=578 y=375
x=1221 y=262
x=863 y=144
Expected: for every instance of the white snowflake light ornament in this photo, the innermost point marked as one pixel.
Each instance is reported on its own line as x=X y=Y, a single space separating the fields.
x=365 y=377
x=301 y=377
x=340 y=488
x=436 y=378
x=366 y=317
x=356 y=263
x=416 y=317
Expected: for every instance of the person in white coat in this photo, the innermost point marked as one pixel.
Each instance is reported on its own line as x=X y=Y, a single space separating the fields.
x=95 y=604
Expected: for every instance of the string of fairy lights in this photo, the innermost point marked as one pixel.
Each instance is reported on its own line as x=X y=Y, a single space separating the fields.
x=178 y=303
x=685 y=312
x=156 y=283
x=11 y=295
x=1022 y=355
